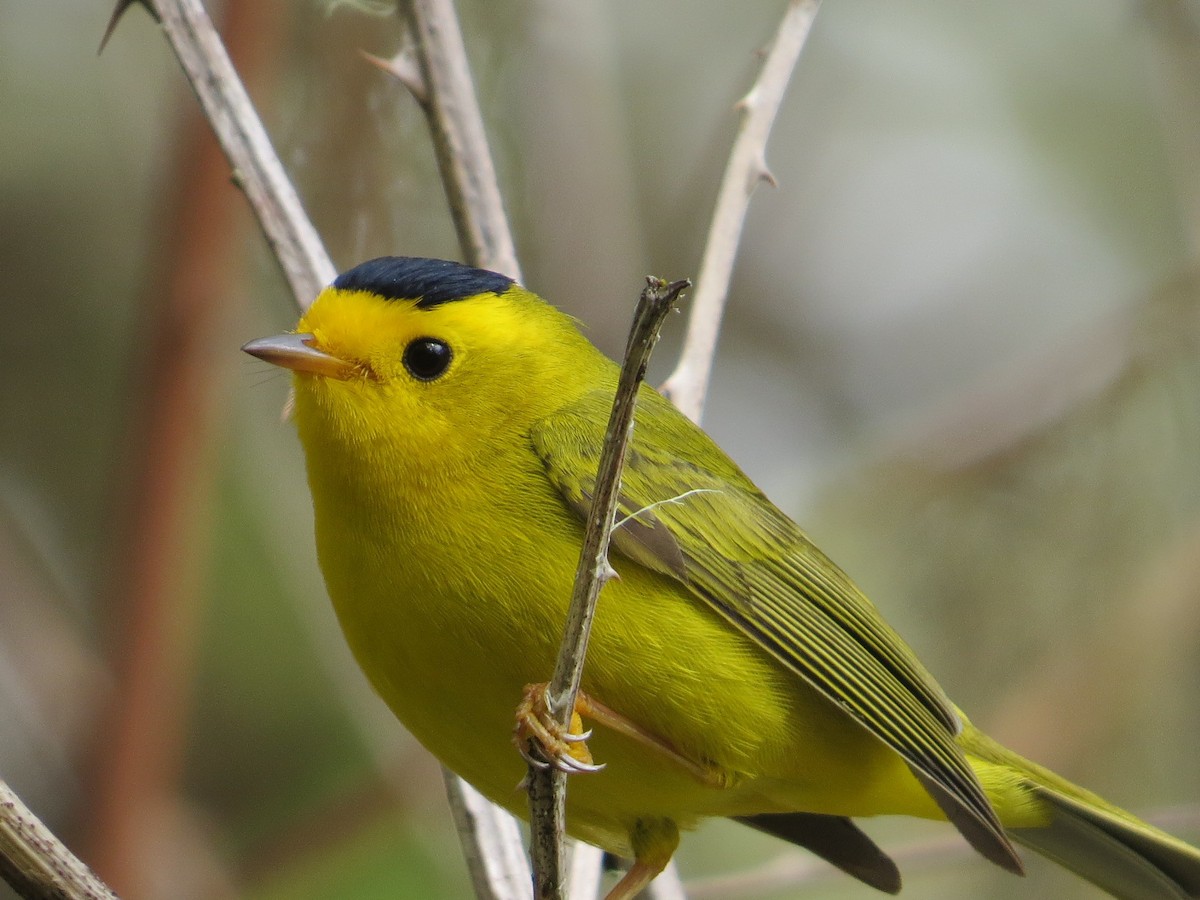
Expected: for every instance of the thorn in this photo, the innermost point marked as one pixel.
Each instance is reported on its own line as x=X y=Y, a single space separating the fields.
x=118 y=13
x=608 y=573
x=403 y=68
x=759 y=172
x=747 y=102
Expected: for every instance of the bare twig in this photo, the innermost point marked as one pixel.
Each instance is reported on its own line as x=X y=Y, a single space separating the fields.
x=747 y=166
x=586 y=868
x=292 y=237
x=547 y=785
x=489 y=836
x=404 y=68
x=459 y=138
x=36 y=863
x=491 y=843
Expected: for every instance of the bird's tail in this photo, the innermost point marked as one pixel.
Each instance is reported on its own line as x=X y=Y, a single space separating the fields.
x=1082 y=832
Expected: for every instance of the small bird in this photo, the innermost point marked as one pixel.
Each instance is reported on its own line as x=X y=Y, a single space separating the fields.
x=452 y=423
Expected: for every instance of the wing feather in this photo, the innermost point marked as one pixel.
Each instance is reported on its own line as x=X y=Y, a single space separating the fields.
x=758 y=570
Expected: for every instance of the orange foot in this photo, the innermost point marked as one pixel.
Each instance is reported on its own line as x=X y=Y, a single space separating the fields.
x=543 y=742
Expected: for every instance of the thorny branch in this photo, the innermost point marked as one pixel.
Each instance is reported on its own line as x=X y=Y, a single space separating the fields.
x=242 y=136
x=747 y=166
x=447 y=95
x=547 y=783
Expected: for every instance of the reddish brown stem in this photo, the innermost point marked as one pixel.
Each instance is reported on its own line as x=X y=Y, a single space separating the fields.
x=164 y=498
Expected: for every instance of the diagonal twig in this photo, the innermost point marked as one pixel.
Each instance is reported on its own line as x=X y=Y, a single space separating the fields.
x=30 y=857
x=547 y=785
x=688 y=384
x=489 y=835
x=256 y=167
x=35 y=863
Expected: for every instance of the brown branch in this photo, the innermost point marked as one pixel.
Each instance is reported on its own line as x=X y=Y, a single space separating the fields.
x=547 y=784
x=687 y=386
x=152 y=664
x=447 y=94
x=162 y=501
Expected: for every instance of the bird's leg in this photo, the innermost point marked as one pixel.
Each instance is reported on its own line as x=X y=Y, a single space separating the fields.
x=654 y=841
x=569 y=752
x=602 y=715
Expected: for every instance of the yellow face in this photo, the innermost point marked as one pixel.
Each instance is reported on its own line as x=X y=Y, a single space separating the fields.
x=430 y=385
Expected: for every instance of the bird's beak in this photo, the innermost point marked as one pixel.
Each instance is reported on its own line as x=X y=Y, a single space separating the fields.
x=295 y=352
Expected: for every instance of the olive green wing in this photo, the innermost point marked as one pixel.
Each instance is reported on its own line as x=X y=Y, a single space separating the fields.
x=688 y=512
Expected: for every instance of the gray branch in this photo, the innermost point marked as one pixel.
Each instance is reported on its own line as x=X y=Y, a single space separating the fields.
x=547 y=785
x=688 y=384
x=242 y=136
x=36 y=863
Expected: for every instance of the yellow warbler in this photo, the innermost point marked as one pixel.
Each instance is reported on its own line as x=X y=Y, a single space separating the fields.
x=452 y=424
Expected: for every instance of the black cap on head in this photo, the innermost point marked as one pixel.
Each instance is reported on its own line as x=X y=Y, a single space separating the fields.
x=430 y=282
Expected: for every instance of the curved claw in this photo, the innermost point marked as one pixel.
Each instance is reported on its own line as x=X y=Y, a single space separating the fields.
x=529 y=758
x=543 y=742
x=571 y=765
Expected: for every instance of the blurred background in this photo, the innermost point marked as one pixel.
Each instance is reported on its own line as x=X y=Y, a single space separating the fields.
x=961 y=349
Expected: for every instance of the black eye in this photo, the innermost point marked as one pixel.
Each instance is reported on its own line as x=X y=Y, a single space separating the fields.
x=427 y=358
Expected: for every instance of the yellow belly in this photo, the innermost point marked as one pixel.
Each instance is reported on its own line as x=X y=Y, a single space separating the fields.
x=450 y=645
